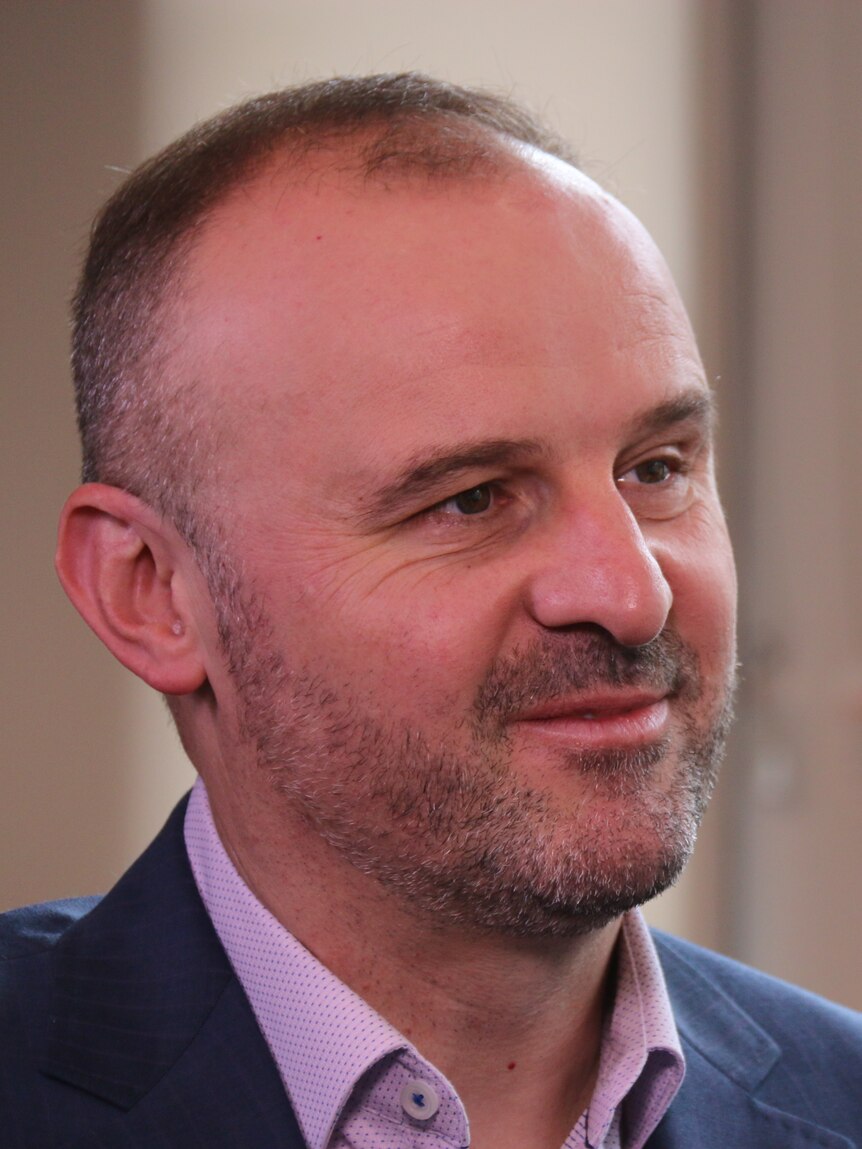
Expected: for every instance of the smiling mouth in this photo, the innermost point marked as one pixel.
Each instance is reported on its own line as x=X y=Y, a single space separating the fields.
x=616 y=720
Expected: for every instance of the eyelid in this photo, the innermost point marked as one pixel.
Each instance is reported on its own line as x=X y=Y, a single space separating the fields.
x=667 y=498
x=494 y=485
x=508 y=510
x=678 y=464
x=690 y=444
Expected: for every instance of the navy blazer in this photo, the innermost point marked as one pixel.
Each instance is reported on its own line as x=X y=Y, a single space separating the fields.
x=122 y=1026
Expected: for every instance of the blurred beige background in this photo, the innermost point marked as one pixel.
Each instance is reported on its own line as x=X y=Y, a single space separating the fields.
x=732 y=127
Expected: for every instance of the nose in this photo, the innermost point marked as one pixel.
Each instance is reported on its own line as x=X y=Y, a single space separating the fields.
x=598 y=568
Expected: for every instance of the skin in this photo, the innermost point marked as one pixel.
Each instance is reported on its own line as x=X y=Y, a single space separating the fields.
x=367 y=351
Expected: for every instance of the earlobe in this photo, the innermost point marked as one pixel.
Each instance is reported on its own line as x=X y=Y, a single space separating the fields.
x=123 y=568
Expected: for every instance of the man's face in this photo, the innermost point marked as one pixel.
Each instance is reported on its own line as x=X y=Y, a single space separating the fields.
x=483 y=632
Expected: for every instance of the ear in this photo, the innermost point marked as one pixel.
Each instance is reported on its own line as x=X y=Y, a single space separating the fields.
x=128 y=572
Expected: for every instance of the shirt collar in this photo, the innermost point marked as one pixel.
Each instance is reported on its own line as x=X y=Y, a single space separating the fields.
x=641 y=1065
x=324 y=1037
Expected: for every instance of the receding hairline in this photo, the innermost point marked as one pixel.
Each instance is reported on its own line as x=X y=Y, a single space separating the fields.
x=340 y=160
x=372 y=157
x=479 y=139
x=339 y=166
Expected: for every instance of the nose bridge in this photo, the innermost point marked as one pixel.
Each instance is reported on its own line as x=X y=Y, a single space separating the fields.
x=598 y=568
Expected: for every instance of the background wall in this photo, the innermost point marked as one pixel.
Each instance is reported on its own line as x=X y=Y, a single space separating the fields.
x=729 y=128
x=798 y=857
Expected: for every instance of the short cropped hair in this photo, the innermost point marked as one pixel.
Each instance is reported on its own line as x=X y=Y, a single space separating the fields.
x=137 y=431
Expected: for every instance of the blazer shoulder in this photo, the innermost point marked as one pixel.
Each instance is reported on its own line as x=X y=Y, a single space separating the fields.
x=792 y=1051
x=710 y=991
x=32 y=929
x=752 y=987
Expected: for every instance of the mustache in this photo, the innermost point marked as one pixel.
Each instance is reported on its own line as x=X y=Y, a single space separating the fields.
x=584 y=659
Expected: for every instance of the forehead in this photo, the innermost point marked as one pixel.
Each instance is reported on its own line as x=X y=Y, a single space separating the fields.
x=340 y=310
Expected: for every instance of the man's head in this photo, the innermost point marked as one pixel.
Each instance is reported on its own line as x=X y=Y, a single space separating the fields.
x=466 y=612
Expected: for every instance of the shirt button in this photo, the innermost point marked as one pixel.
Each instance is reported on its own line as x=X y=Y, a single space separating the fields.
x=419 y=1099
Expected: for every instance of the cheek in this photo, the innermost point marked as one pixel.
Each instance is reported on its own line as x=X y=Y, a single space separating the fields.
x=703 y=580
x=427 y=643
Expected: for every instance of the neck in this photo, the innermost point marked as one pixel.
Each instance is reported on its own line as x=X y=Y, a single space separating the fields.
x=513 y=1022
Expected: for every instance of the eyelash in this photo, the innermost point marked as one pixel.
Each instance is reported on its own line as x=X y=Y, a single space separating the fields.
x=677 y=465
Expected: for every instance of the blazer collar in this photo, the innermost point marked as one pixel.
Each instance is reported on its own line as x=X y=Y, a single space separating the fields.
x=146 y=1014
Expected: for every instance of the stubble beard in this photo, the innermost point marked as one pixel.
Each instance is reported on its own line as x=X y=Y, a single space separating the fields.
x=444 y=822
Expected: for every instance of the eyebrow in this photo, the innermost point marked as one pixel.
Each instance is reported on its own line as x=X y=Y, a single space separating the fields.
x=424 y=473
x=696 y=405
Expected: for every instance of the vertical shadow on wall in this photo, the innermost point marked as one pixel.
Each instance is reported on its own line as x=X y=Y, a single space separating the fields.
x=70 y=80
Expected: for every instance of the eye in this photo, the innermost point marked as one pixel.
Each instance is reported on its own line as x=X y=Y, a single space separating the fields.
x=654 y=471
x=483 y=502
x=659 y=471
x=472 y=502
x=659 y=487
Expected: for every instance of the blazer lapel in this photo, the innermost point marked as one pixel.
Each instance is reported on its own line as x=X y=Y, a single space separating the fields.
x=148 y=1017
x=725 y=1100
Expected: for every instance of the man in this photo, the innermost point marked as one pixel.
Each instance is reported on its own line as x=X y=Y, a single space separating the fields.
x=399 y=486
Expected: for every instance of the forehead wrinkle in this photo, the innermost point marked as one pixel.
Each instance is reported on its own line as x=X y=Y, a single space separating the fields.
x=426 y=470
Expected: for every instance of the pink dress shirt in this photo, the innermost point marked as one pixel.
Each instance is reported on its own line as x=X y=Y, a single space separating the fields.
x=356 y=1083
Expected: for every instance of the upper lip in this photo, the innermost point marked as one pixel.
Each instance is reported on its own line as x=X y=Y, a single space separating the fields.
x=604 y=702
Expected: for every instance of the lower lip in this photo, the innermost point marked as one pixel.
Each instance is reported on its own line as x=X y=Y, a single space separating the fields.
x=612 y=728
